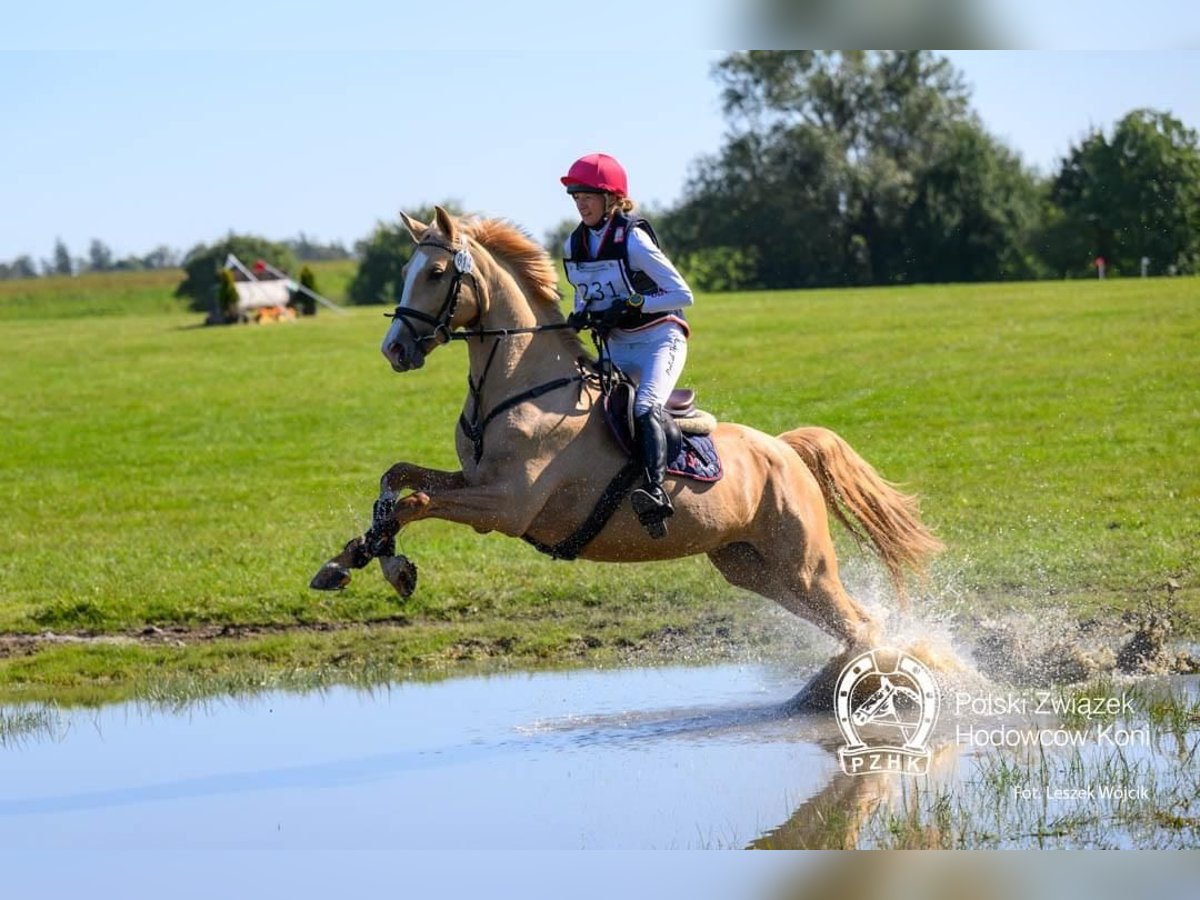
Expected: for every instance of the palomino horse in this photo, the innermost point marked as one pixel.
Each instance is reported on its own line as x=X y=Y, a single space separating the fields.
x=536 y=453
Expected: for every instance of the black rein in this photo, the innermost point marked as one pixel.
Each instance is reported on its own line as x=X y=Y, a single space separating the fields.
x=474 y=428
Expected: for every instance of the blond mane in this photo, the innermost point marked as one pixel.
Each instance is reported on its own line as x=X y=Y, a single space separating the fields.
x=529 y=260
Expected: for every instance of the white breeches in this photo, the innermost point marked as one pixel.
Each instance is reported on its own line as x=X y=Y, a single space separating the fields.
x=653 y=358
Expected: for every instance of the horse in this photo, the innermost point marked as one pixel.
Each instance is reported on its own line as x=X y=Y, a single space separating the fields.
x=536 y=453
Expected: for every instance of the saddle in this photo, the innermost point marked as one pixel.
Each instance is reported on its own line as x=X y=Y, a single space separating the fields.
x=691 y=453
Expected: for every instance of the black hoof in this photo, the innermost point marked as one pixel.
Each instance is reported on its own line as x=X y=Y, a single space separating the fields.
x=330 y=577
x=401 y=573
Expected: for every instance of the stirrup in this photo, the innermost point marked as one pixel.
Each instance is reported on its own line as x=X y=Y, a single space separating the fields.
x=652 y=512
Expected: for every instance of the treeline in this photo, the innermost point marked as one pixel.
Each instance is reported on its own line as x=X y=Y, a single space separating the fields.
x=860 y=168
x=100 y=258
x=842 y=168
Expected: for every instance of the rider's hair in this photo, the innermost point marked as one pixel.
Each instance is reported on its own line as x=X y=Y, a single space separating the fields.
x=613 y=203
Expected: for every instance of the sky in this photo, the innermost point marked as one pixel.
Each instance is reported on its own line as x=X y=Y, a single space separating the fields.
x=328 y=135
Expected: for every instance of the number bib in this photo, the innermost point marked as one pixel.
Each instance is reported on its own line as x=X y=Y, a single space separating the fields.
x=598 y=283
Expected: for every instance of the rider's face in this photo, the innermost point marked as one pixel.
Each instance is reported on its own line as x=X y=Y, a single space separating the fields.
x=590 y=207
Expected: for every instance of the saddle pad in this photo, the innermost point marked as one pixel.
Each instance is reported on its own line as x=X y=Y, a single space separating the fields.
x=697 y=457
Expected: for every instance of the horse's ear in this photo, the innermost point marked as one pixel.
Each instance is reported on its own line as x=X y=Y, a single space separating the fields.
x=415 y=229
x=446 y=223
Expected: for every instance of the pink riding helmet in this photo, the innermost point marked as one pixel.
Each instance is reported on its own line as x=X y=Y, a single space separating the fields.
x=596 y=172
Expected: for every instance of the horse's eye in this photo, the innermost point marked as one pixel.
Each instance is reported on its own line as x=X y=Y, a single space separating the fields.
x=435 y=274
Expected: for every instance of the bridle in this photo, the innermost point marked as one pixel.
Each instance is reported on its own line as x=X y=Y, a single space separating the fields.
x=464 y=264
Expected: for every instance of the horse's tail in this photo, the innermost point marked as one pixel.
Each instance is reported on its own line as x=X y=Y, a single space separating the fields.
x=850 y=485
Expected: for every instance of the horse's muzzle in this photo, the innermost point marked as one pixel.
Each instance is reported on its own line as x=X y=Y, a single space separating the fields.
x=404 y=358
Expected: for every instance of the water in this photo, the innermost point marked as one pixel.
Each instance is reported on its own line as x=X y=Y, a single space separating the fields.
x=626 y=759
x=663 y=758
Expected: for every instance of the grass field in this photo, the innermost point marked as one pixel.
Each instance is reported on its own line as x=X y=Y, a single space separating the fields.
x=157 y=473
x=128 y=293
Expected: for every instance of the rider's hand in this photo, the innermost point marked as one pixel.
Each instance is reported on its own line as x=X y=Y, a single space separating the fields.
x=580 y=319
x=608 y=318
x=603 y=319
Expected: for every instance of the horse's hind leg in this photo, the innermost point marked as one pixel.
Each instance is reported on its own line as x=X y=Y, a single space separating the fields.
x=808 y=586
x=799 y=571
x=815 y=584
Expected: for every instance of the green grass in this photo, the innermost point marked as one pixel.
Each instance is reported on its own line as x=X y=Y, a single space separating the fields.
x=129 y=293
x=156 y=472
x=101 y=294
x=1051 y=428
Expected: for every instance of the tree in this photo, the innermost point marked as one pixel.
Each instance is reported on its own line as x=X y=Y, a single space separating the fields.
x=557 y=236
x=227 y=296
x=24 y=267
x=975 y=212
x=62 y=264
x=302 y=301
x=100 y=257
x=161 y=257
x=203 y=264
x=852 y=167
x=1132 y=196
x=769 y=200
x=307 y=249
x=383 y=255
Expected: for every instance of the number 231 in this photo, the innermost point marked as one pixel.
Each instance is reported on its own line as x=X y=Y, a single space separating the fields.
x=595 y=291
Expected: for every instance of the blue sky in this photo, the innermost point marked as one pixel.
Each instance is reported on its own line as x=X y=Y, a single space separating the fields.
x=180 y=145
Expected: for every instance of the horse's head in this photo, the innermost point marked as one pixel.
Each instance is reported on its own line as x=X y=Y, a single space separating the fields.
x=441 y=291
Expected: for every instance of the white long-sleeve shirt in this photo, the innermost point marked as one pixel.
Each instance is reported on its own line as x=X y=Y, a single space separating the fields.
x=644 y=256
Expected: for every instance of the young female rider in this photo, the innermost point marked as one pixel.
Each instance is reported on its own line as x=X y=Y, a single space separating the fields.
x=626 y=287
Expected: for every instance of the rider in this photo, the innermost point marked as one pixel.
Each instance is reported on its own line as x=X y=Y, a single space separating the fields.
x=627 y=289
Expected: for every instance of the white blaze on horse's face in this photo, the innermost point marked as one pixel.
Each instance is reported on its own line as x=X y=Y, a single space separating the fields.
x=400 y=346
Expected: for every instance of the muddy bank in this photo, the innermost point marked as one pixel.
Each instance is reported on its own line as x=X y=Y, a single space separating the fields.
x=1019 y=649
x=177 y=635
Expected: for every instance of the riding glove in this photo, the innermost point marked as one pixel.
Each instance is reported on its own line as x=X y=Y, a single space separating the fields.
x=602 y=319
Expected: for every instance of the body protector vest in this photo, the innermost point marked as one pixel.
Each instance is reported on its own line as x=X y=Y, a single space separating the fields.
x=606 y=278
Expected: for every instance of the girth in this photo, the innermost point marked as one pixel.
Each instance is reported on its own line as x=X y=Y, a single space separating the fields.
x=570 y=547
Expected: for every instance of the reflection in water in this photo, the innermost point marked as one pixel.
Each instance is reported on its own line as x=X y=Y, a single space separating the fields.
x=832 y=819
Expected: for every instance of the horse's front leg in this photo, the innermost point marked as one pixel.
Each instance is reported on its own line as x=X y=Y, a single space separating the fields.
x=407 y=476
x=379 y=541
x=380 y=538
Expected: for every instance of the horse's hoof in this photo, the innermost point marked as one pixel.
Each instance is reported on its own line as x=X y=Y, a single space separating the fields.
x=330 y=577
x=814 y=697
x=401 y=573
x=818 y=694
x=357 y=554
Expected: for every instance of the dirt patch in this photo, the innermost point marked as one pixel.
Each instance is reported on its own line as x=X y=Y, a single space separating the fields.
x=1054 y=650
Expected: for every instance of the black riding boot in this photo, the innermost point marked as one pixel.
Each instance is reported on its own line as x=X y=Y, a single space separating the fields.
x=651 y=503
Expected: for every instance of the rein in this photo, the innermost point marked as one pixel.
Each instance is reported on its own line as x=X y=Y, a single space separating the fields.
x=464 y=265
x=474 y=427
